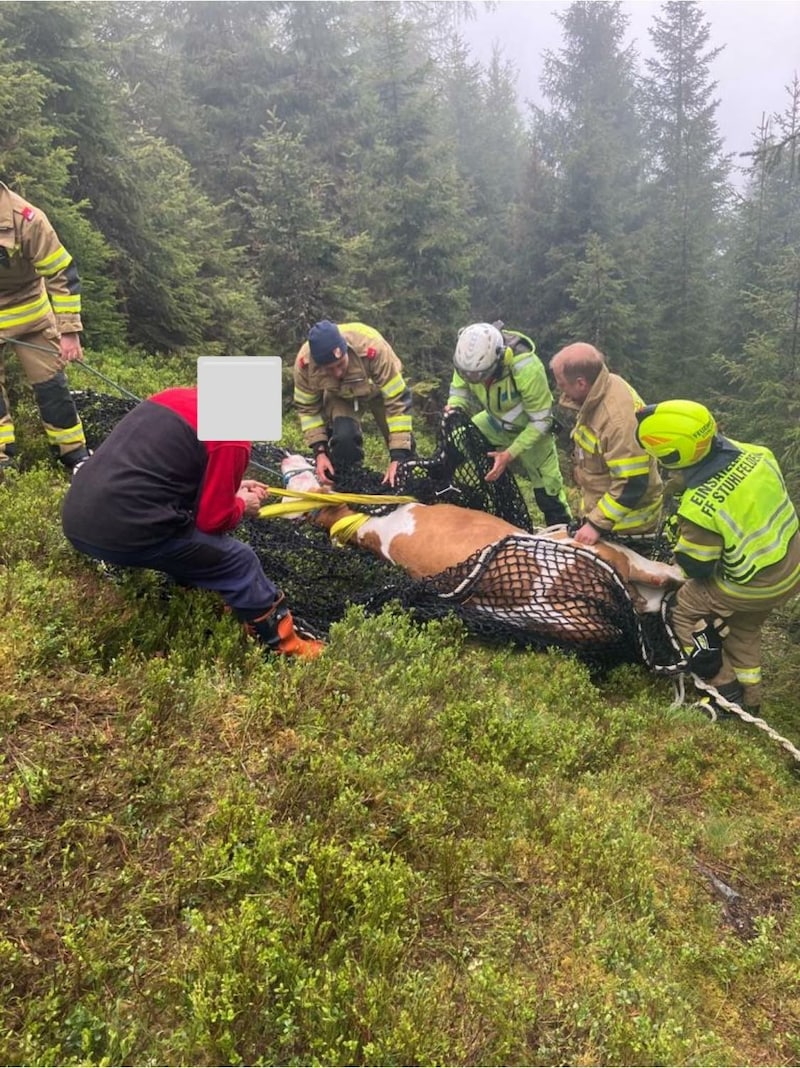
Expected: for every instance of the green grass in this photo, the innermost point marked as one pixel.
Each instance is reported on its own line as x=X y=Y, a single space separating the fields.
x=414 y=850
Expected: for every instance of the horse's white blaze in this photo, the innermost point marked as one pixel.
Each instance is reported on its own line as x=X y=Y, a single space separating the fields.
x=306 y=481
x=302 y=477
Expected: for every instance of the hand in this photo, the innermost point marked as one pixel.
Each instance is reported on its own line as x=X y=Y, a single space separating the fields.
x=324 y=468
x=254 y=487
x=587 y=535
x=501 y=460
x=252 y=502
x=391 y=473
x=70 y=347
x=706 y=658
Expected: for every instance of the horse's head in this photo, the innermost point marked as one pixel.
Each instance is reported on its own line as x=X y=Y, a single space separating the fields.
x=299 y=474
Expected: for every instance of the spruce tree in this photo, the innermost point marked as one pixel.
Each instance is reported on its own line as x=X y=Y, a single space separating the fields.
x=589 y=142
x=481 y=119
x=757 y=389
x=301 y=256
x=602 y=314
x=39 y=164
x=412 y=207
x=686 y=197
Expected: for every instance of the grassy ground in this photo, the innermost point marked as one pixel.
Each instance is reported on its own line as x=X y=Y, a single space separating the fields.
x=414 y=850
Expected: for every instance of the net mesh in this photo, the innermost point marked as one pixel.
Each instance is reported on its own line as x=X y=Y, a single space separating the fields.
x=531 y=592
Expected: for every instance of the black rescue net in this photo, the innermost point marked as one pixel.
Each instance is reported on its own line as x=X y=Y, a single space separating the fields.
x=532 y=592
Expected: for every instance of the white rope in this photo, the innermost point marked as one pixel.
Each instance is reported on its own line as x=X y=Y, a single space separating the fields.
x=715 y=701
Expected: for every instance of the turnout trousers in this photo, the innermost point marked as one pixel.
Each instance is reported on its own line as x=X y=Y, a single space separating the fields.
x=45 y=374
x=343 y=417
x=745 y=612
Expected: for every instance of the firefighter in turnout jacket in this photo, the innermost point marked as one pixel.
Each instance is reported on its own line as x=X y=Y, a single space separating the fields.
x=40 y=309
x=340 y=372
x=621 y=490
x=500 y=373
x=737 y=542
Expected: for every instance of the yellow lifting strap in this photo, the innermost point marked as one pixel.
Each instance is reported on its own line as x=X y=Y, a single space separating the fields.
x=343 y=530
x=309 y=502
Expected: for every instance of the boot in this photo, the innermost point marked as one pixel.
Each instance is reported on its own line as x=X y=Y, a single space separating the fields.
x=276 y=630
x=552 y=507
x=7 y=463
x=731 y=691
x=75 y=459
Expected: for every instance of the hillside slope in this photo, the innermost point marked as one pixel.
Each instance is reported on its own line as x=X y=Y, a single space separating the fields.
x=413 y=850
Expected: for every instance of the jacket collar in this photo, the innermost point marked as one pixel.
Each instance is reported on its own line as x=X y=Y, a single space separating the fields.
x=595 y=393
x=723 y=453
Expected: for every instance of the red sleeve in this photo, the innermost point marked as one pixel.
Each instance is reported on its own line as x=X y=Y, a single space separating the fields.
x=219 y=508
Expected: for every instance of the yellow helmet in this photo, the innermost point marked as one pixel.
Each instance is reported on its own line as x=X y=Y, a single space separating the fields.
x=678 y=433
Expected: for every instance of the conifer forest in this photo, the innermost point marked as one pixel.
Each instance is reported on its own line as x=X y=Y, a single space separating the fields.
x=227 y=173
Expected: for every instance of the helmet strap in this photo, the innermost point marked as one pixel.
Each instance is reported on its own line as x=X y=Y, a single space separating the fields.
x=494 y=374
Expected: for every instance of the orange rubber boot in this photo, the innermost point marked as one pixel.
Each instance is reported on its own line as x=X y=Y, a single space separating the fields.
x=277 y=631
x=292 y=643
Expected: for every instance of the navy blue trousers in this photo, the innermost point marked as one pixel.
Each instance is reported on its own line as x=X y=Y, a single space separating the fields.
x=210 y=561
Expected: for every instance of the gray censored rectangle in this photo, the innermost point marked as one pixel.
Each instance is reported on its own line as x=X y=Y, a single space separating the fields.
x=239 y=398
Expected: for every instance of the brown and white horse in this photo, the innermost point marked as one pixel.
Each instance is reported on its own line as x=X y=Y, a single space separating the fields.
x=426 y=539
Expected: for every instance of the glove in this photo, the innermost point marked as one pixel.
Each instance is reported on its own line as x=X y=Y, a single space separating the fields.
x=670 y=530
x=705 y=658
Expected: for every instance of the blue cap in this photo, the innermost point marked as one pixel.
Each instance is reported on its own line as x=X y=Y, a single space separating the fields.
x=323 y=338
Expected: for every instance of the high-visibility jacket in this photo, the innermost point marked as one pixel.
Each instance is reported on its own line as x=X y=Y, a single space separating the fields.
x=518 y=400
x=374 y=371
x=738 y=523
x=38 y=278
x=621 y=489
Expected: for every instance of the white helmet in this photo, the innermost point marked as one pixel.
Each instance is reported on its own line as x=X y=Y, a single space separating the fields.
x=480 y=348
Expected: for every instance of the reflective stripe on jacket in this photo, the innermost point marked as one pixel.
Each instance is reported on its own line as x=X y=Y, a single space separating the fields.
x=741 y=517
x=607 y=458
x=38 y=278
x=374 y=370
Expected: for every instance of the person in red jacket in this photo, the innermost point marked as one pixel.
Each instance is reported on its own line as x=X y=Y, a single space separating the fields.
x=153 y=495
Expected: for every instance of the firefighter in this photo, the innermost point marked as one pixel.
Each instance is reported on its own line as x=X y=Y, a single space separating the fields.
x=40 y=312
x=501 y=373
x=153 y=495
x=341 y=371
x=621 y=489
x=737 y=541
